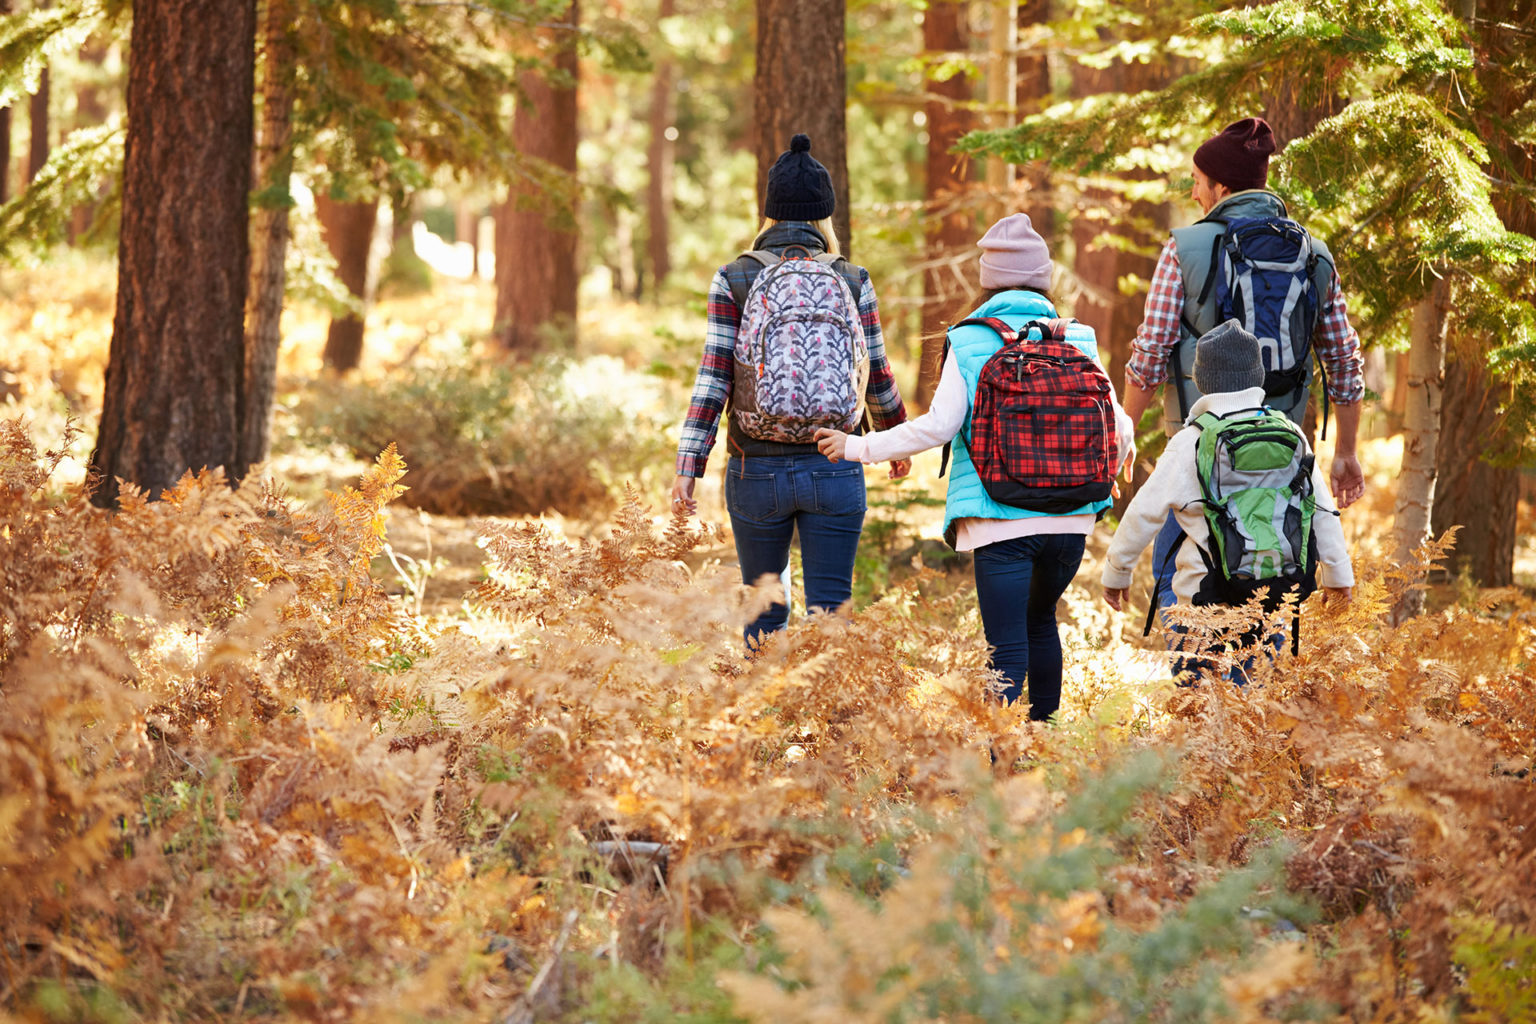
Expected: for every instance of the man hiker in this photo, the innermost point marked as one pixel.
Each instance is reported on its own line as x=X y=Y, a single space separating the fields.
x=1246 y=259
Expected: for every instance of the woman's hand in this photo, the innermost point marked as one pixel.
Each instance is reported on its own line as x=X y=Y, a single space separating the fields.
x=682 y=496
x=900 y=468
x=834 y=445
x=1114 y=597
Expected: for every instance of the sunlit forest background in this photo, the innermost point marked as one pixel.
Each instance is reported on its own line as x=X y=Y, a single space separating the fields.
x=352 y=670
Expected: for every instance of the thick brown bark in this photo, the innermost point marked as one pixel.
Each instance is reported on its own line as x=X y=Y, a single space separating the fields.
x=659 y=155
x=37 y=114
x=800 y=85
x=1100 y=265
x=1480 y=498
x=270 y=233
x=536 y=251
x=949 y=275
x=174 y=397
x=348 y=230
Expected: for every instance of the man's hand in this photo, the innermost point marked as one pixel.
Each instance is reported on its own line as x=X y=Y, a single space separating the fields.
x=1115 y=597
x=834 y=445
x=900 y=468
x=1347 y=480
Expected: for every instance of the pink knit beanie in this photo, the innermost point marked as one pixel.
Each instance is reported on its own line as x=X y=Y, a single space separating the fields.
x=1238 y=155
x=1013 y=255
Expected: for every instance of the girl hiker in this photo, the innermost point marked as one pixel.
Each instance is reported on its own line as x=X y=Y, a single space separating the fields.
x=1024 y=558
x=793 y=343
x=1251 y=469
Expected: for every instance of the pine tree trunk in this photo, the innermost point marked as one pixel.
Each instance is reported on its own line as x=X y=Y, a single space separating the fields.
x=1480 y=498
x=1002 y=78
x=536 y=274
x=348 y=229
x=37 y=111
x=800 y=85
x=5 y=133
x=659 y=158
x=90 y=111
x=175 y=397
x=1421 y=435
x=270 y=232
x=950 y=237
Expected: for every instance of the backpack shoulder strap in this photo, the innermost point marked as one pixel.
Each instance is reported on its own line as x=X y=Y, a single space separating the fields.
x=847 y=268
x=1008 y=334
x=739 y=282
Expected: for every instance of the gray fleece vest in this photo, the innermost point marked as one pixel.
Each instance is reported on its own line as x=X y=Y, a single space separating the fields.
x=1196 y=246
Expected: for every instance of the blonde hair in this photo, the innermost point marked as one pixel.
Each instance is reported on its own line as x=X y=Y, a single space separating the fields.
x=825 y=226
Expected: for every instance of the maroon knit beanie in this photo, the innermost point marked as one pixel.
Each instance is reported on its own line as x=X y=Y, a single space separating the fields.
x=1238 y=157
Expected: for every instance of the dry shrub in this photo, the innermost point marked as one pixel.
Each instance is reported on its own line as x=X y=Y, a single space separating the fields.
x=489 y=438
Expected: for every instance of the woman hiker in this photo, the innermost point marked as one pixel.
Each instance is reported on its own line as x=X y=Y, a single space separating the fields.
x=793 y=343
x=1023 y=559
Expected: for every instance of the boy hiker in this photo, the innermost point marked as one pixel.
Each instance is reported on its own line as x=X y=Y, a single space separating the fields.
x=1246 y=258
x=1244 y=489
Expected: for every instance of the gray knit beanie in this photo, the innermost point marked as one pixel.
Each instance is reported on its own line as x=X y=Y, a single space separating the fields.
x=1227 y=359
x=1013 y=255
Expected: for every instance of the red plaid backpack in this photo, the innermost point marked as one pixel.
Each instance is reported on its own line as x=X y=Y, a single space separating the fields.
x=1042 y=431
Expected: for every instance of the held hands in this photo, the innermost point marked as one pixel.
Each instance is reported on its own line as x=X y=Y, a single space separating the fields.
x=832 y=443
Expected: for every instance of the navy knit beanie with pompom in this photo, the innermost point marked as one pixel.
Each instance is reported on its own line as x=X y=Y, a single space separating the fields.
x=799 y=187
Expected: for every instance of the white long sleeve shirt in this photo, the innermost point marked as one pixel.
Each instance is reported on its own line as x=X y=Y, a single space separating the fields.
x=1175 y=485
x=940 y=424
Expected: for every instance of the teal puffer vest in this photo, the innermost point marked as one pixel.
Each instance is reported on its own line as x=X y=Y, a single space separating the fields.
x=1196 y=246
x=972 y=347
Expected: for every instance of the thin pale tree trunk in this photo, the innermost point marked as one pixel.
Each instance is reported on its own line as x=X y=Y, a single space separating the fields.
x=5 y=133
x=800 y=86
x=270 y=232
x=1421 y=436
x=659 y=157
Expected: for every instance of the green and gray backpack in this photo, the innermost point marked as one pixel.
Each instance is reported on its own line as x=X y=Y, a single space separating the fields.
x=1255 y=471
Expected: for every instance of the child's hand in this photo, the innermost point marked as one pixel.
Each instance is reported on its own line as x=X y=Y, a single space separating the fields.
x=832 y=443
x=1114 y=597
x=900 y=468
x=1336 y=596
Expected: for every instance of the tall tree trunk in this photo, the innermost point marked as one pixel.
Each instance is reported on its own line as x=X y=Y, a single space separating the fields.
x=950 y=235
x=348 y=229
x=90 y=111
x=800 y=85
x=175 y=397
x=1002 y=78
x=1421 y=435
x=37 y=110
x=270 y=231
x=659 y=156
x=536 y=274
x=5 y=133
x=1099 y=263
x=1480 y=498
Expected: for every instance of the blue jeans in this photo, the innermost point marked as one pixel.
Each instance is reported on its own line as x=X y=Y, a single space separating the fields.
x=769 y=497
x=1018 y=582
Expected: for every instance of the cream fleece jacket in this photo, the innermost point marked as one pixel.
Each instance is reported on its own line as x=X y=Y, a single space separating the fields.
x=1174 y=485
